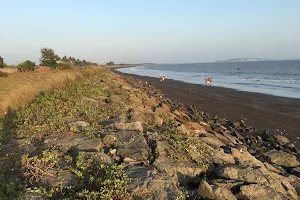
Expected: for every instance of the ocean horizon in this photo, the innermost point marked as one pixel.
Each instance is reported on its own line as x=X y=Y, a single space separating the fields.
x=278 y=78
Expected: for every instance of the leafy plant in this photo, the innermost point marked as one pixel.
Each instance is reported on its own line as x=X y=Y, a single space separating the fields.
x=48 y=58
x=26 y=66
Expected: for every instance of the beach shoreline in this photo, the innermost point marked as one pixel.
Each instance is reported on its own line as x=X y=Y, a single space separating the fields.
x=279 y=115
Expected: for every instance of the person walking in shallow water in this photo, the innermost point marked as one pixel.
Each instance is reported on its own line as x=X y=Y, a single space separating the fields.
x=208 y=81
x=162 y=77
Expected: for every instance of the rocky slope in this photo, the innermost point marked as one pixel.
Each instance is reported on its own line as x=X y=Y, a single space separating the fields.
x=111 y=137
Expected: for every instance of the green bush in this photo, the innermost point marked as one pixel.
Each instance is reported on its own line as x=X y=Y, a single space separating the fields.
x=64 y=65
x=3 y=74
x=26 y=66
x=48 y=58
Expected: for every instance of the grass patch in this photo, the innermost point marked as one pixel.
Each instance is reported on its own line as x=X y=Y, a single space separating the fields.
x=19 y=89
x=3 y=74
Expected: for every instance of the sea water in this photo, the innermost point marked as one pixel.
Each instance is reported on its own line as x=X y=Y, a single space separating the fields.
x=279 y=78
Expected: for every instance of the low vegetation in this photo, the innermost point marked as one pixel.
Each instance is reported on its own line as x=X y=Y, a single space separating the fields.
x=46 y=115
x=19 y=89
x=3 y=74
x=26 y=66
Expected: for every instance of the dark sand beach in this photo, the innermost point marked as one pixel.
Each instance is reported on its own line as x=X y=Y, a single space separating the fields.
x=279 y=115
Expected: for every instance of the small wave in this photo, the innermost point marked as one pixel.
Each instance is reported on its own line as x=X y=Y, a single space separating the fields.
x=269 y=80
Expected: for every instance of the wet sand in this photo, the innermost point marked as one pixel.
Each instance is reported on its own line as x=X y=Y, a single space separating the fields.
x=280 y=115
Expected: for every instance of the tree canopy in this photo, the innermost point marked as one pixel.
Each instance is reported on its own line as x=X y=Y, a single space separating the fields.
x=48 y=58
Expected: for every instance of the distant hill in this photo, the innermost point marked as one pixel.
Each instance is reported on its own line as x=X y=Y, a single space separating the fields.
x=243 y=60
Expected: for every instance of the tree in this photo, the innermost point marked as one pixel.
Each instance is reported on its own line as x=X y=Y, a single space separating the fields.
x=49 y=58
x=65 y=59
x=1 y=62
x=26 y=66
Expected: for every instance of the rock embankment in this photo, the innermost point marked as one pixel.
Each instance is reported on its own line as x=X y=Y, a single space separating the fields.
x=168 y=150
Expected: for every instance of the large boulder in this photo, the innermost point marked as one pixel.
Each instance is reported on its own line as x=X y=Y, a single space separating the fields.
x=77 y=141
x=281 y=140
x=213 y=192
x=239 y=173
x=132 y=145
x=259 y=192
x=177 y=164
x=131 y=126
x=282 y=158
x=258 y=175
x=147 y=182
x=244 y=158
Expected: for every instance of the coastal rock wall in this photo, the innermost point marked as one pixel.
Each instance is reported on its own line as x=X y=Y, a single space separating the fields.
x=122 y=139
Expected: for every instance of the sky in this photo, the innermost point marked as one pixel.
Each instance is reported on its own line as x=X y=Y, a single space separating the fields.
x=156 y=31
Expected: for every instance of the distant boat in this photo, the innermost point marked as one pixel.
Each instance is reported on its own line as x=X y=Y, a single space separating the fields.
x=238 y=69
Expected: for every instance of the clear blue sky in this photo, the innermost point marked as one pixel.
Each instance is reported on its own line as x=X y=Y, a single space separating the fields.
x=163 y=31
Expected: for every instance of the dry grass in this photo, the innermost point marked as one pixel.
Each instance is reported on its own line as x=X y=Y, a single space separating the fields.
x=19 y=89
x=9 y=70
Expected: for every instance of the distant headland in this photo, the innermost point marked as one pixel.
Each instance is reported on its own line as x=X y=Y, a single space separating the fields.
x=244 y=60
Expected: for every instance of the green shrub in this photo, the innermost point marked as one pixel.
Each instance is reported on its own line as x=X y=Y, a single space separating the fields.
x=3 y=74
x=64 y=65
x=26 y=66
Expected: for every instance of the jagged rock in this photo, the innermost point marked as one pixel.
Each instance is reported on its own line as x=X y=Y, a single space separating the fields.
x=132 y=145
x=79 y=142
x=120 y=118
x=258 y=175
x=181 y=115
x=281 y=140
x=259 y=192
x=133 y=126
x=244 y=158
x=282 y=158
x=150 y=184
x=207 y=191
x=79 y=125
x=162 y=109
x=239 y=173
x=209 y=154
x=176 y=164
x=237 y=124
x=195 y=127
x=212 y=141
x=145 y=116
x=109 y=139
x=158 y=120
x=113 y=151
x=228 y=184
x=150 y=102
x=271 y=168
x=223 y=139
x=206 y=127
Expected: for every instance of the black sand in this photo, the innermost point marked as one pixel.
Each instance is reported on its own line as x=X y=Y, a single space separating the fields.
x=279 y=115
